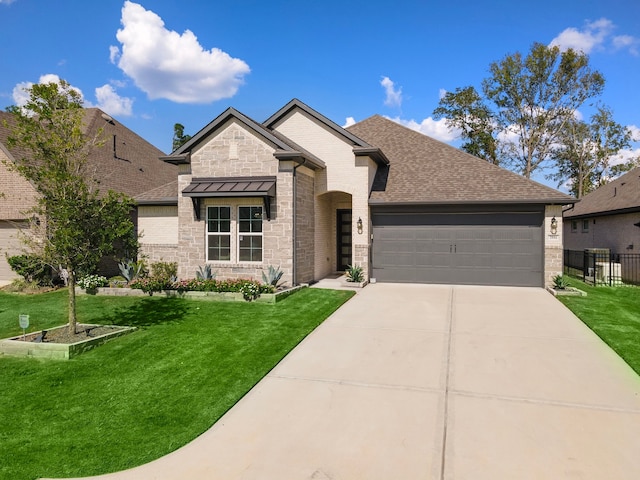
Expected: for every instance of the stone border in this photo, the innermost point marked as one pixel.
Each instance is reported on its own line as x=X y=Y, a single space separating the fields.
x=569 y=291
x=211 y=296
x=61 y=351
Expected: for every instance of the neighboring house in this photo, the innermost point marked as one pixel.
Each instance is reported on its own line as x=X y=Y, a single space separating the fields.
x=608 y=217
x=300 y=192
x=126 y=163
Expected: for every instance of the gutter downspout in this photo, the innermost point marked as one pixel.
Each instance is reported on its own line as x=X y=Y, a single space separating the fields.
x=295 y=223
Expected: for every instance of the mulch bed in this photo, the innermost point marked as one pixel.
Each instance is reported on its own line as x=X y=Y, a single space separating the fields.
x=62 y=335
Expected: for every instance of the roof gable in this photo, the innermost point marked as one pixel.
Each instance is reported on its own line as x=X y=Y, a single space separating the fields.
x=425 y=170
x=126 y=163
x=618 y=196
x=285 y=148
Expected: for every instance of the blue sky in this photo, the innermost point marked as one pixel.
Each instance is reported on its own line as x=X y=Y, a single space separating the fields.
x=152 y=63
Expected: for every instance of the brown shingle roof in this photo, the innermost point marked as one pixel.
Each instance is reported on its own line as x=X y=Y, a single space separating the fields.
x=132 y=169
x=425 y=170
x=163 y=195
x=618 y=196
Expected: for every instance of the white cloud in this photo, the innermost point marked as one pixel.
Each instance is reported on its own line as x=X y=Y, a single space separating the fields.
x=628 y=42
x=348 y=122
x=114 y=53
x=595 y=35
x=592 y=36
x=166 y=64
x=635 y=132
x=623 y=156
x=112 y=103
x=434 y=128
x=441 y=93
x=21 y=96
x=393 y=96
x=6 y=2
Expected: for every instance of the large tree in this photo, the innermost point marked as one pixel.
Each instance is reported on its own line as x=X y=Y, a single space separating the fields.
x=77 y=224
x=525 y=104
x=584 y=152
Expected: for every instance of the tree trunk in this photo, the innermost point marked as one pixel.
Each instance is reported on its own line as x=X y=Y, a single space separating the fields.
x=72 y=302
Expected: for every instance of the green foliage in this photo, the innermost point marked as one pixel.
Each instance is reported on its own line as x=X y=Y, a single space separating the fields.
x=560 y=282
x=92 y=282
x=179 y=137
x=354 y=274
x=204 y=273
x=273 y=276
x=32 y=268
x=131 y=269
x=199 y=368
x=165 y=271
x=584 y=151
x=118 y=281
x=613 y=313
x=525 y=103
x=151 y=284
x=81 y=224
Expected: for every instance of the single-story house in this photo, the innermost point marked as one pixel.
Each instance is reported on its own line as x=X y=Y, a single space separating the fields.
x=300 y=192
x=126 y=163
x=608 y=217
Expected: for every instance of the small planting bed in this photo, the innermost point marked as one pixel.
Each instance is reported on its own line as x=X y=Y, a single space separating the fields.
x=556 y=292
x=57 y=343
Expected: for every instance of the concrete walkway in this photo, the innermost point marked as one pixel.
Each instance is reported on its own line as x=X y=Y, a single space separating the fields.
x=430 y=382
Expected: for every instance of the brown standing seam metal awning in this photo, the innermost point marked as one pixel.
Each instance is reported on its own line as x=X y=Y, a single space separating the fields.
x=262 y=187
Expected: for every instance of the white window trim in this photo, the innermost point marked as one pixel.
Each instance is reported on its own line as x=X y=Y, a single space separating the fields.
x=249 y=234
x=229 y=234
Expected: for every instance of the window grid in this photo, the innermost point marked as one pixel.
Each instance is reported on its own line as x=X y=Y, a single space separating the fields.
x=218 y=234
x=250 y=234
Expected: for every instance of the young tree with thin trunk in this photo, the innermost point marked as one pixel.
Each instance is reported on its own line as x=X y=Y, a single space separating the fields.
x=76 y=225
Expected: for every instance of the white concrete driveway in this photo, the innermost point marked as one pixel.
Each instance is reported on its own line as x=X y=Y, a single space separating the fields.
x=430 y=382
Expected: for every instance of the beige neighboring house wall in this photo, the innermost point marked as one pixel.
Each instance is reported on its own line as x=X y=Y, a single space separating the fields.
x=17 y=196
x=618 y=233
x=158 y=227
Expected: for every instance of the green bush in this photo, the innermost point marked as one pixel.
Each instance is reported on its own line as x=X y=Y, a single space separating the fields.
x=354 y=274
x=32 y=268
x=91 y=282
x=167 y=271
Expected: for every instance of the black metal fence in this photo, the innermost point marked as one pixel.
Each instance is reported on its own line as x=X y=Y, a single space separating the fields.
x=599 y=266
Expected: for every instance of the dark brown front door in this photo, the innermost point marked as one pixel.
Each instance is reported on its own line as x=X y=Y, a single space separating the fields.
x=343 y=242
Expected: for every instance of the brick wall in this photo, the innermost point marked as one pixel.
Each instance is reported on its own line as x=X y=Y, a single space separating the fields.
x=18 y=195
x=305 y=226
x=552 y=244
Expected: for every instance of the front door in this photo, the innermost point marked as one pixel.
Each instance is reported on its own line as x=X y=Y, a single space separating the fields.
x=343 y=242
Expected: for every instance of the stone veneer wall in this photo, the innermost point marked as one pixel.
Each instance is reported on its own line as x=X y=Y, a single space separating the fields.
x=553 y=254
x=305 y=227
x=159 y=252
x=236 y=152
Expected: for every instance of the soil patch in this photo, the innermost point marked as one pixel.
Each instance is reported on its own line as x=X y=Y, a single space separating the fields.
x=62 y=335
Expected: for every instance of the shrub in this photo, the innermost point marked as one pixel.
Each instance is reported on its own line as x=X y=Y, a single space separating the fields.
x=32 y=268
x=204 y=273
x=167 y=271
x=273 y=276
x=131 y=269
x=118 y=281
x=91 y=282
x=560 y=282
x=151 y=284
x=354 y=274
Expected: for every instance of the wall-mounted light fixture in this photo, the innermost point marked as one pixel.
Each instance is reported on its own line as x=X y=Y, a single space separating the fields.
x=554 y=226
x=359 y=225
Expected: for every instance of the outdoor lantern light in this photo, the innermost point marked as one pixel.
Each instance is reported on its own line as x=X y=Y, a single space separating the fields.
x=359 y=225
x=554 y=226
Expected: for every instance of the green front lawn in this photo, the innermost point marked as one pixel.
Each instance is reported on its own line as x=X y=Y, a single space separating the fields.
x=146 y=394
x=613 y=313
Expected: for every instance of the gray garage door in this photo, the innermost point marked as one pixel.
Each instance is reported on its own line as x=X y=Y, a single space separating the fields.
x=470 y=248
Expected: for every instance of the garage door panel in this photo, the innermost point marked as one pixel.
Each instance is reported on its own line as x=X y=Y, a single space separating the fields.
x=481 y=254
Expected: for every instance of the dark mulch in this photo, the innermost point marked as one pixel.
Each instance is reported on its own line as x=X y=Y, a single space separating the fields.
x=62 y=335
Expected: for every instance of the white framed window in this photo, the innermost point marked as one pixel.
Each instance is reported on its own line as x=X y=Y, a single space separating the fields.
x=218 y=234
x=250 y=233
